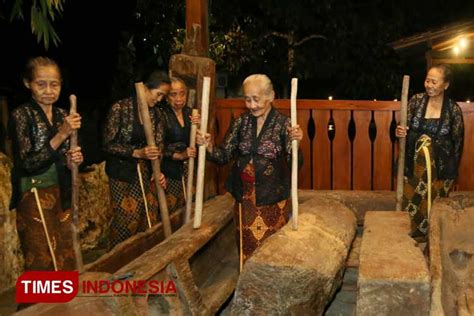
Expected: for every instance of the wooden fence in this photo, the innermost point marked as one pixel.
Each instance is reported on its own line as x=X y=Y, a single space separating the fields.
x=347 y=145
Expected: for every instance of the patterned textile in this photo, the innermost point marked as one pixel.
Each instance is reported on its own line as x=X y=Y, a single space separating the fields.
x=32 y=234
x=122 y=134
x=258 y=222
x=446 y=133
x=31 y=132
x=415 y=195
x=270 y=153
x=129 y=214
x=174 y=194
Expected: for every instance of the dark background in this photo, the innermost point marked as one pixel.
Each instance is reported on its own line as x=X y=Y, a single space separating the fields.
x=107 y=45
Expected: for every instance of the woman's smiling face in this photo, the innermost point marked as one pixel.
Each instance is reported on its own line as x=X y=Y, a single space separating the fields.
x=435 y=84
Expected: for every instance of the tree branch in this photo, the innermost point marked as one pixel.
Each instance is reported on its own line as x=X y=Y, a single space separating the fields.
x=307 y=38
x=278 y=34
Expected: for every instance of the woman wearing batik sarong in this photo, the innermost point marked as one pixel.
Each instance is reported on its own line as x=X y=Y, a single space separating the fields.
x=435 y=135
x=177 y=127
x=128 y=161
x=259 y=143
x=40 y=133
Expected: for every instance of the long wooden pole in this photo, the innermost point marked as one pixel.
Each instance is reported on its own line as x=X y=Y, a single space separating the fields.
x=241 y=240
x=75 y=192
x=402 y=142
x=189 y=185
x=202 y=154
x=45 y=227
x=155 y=164
x=142 y=188
x=294 y=156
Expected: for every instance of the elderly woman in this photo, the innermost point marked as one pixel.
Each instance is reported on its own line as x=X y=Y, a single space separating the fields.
x=40 y=133
x=177 y=127
x=434 y=122
x=259 y=143
x=128 y=159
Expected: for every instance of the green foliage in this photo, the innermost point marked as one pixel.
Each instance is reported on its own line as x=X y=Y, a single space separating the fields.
x=154 y=33
x=42 y=14
x=335 y=47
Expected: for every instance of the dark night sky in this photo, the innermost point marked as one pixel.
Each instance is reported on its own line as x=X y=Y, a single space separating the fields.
x=89 y=35
x=87 y=55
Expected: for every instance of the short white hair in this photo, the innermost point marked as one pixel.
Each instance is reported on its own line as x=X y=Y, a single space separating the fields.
x=263 y=80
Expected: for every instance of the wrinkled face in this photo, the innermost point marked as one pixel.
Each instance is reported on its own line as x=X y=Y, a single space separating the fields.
x=434 y=82
x=157 y=94
x=45 y=86
x=178 y=94
x=256 y=99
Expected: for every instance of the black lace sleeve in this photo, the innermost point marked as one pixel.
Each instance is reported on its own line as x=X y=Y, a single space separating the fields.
x=32 y=155
x=223 y=153
x=457 y=130
x=411 y=107
x=113 y=124
x=159 y=132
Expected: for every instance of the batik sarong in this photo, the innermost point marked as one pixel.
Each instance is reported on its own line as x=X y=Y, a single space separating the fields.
x=415 y=193
x=129 y=214
x=258 y=222
x=32 y=234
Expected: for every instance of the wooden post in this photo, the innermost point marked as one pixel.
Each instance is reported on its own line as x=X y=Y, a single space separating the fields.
x=189 y=185
x=75 y=192
x=294 y=156
x=197 y=14
x=402 y=141
x=155 y=164
x=202 y=154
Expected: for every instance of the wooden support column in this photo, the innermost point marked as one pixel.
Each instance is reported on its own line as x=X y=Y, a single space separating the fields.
x=192 y=65
x=429 y=60
x=197 y=30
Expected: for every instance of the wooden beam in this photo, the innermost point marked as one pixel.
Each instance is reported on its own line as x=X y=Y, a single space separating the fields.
x=429 y=59
x=448 y=44
x=197 y=14
x=434 y=35
x=453 y=60
x=344 y=105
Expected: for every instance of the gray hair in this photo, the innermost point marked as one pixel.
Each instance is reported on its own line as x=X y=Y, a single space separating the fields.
x=261 y=78
x=177 y=79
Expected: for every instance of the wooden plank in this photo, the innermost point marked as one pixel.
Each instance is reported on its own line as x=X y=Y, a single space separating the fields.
x=321 y=151
x=361 y=165
x=395 y=152
x=382 y=151
x=131 y=248
x=223 y=118
x=453 y=61
x=341 y=151
x=304 y=175
x=319 y=104
x=362 y=150
x=363 y=105
x=237 y=112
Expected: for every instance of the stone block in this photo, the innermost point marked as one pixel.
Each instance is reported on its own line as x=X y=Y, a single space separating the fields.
x=298 y=272
x=393 y=274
